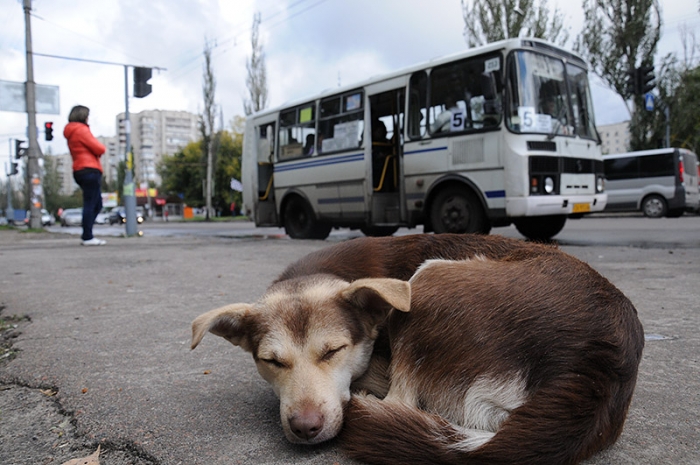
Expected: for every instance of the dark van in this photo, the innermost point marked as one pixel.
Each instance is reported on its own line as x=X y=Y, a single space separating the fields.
x=662 y=182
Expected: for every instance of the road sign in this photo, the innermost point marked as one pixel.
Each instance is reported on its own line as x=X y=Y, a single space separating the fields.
x=649 y=101
x=13 y=98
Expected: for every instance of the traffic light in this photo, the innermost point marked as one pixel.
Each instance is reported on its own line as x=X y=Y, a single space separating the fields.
x=631 y=87
x=645 y=79
x=13 y=168
x=141 y=86
x=48 y=130
x=19 y=150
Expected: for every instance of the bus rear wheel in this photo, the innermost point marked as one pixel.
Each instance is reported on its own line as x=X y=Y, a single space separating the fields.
x=457 y=210
x=540 y=228
x=300 y=221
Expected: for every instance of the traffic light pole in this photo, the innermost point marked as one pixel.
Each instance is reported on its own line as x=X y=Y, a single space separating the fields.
x=36 y=192
x=128 y=192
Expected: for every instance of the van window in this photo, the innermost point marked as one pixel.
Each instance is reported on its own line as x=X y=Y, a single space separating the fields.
x=656 y=165
x=622 y=168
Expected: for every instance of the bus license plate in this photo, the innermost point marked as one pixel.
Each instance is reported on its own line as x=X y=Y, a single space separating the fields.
x=581 y=208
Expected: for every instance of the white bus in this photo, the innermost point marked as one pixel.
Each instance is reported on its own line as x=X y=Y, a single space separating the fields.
x=495 y=135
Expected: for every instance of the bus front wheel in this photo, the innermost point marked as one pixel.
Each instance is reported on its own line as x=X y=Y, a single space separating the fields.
x=300 y=221
x=540 y=228
x=457 y=210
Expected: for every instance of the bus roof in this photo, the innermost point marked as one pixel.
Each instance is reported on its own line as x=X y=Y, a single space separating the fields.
x=529 y=42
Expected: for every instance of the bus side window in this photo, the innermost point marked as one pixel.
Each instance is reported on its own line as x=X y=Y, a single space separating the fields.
x=417 y=106
x=341 y=122
x=297 y=127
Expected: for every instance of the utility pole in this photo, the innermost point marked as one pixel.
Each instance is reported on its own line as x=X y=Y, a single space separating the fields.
x=128 y=192
x=36 y=191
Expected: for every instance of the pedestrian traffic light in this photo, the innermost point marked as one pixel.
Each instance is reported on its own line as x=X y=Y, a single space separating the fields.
x=19 y=150
x=48 y=130
x=141 y=86
x=13 y=168
x=645 y=80
x=631 y=82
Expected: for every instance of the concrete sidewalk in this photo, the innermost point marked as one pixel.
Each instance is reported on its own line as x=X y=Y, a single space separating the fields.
x=108 y=344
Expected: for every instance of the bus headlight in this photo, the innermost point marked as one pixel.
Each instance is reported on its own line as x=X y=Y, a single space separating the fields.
x=600 y=184
x=548 y=185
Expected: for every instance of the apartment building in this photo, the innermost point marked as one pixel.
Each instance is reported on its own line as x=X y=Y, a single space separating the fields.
x=615 y=137
x=155 y=133
x=64 y=167
x=111 y=158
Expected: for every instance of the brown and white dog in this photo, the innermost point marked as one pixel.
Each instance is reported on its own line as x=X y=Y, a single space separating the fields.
x=495 y=351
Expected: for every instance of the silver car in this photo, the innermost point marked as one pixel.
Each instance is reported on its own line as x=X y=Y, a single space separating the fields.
x=72 y=217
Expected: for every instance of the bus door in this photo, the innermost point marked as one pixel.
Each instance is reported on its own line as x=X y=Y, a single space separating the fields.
x=386 y=129
x=266 y=212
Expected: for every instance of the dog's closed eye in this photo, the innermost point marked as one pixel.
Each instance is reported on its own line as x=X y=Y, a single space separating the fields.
x=330 y=353
x=273 y=362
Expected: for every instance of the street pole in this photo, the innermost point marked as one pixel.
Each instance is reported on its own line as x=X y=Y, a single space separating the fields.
x=9 y=211
x=128 y=191
x=36 y=192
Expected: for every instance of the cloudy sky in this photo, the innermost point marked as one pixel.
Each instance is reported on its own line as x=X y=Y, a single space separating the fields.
x=310 y=45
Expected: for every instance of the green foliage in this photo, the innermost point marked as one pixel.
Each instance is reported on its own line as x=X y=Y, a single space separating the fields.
x=685 y=111
x=184 y=172
x=488 y=21
x=619 y=35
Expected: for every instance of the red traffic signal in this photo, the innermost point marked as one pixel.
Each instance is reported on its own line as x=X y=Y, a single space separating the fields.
x=48 y=130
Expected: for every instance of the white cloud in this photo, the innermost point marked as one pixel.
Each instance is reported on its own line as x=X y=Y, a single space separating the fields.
x=309 y=45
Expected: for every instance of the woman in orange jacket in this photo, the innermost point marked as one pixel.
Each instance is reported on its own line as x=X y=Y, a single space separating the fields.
x=87 y=169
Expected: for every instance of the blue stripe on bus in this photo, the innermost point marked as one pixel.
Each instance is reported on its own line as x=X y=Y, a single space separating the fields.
x=341 y=200
x=436 y=149
x=320 y=161
x=495 y=194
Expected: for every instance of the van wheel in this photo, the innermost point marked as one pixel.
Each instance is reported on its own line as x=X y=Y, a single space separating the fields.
x=654 y=206
x=457 y=210
x=300 y=221
x=540 y=228
x=379 y=231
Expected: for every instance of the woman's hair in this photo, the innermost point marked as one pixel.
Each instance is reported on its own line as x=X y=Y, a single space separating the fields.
x=79 y=114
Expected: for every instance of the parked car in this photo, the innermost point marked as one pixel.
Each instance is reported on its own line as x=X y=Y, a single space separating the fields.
x=118 y=215
x=47 y=218
x=102 y=217
x=72 y=217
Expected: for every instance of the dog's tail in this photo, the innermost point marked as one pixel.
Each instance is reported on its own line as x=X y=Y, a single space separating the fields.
x=388 y=432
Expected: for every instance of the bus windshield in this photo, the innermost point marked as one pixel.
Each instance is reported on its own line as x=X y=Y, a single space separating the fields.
x=546 y=96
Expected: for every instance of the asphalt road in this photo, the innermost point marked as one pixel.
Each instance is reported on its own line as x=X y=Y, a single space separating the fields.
x=108 y=343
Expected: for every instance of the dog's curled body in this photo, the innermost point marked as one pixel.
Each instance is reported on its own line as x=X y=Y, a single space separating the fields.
x=510 y=351
x=529 y=359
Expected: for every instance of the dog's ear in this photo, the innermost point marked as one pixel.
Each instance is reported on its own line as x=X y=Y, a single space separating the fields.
x=379 y=293
x=228 y=322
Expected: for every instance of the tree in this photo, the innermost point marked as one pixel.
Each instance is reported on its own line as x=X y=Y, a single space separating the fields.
x=182 y=173
x=228 y=165
x=619 y=35
x=492 y=20
x=685 y=111
x=52 y=184
x=207 y=124
x=257 y=78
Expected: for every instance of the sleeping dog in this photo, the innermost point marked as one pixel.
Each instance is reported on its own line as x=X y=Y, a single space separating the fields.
x=460 y=349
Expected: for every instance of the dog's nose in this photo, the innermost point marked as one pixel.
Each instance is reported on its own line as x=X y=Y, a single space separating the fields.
x=306 y=424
